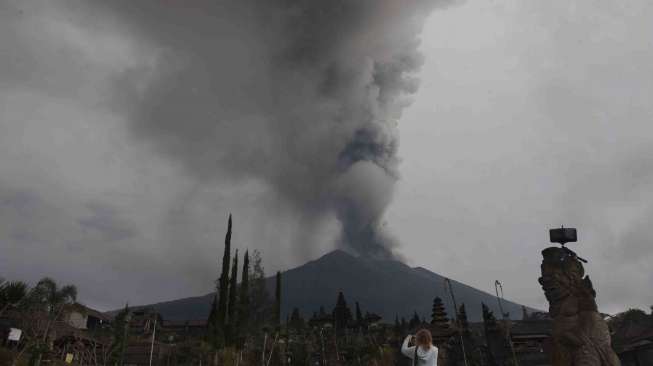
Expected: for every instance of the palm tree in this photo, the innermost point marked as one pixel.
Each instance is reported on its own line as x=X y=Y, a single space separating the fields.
x=40 y=307
x=11 y=294
x=52 y=299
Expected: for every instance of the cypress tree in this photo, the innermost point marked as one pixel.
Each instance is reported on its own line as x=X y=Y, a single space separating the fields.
x=232 y=307
x=243 y=308
x=277 y=301
x=223 y=290
x=212 y=323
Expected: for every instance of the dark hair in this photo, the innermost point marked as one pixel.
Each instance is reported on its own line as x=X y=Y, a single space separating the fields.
x=424 y=339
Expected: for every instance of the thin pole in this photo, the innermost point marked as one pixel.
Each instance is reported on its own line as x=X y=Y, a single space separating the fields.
x=152 y=344
x=265 y=341
x=322 y=338
x=272 y=350
x=335 y=337
x=497 y=287
x=447 y=286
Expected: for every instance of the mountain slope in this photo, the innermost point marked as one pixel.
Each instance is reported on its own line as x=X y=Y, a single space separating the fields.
x=385 y=287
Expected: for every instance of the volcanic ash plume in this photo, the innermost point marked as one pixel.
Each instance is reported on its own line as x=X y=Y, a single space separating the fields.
x=301 y=95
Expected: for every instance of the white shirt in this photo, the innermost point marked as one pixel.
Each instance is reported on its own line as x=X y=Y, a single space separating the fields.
x=424 y=357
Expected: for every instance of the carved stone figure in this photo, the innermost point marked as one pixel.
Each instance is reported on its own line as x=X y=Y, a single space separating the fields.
x=580 y=335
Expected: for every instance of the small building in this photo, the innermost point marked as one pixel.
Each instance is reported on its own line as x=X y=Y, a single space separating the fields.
x=82 y=317
x=531 y=340
x=176 y=330
x=531 y=335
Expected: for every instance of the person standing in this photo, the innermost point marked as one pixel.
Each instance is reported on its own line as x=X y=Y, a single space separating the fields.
x=423 y=352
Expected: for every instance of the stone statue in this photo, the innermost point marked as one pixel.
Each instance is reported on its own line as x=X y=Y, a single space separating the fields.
x=580 y=335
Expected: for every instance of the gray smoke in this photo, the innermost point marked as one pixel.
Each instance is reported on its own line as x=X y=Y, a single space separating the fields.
x=300 y=95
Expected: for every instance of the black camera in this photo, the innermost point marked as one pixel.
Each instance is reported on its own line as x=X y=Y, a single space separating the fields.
x=563 y=235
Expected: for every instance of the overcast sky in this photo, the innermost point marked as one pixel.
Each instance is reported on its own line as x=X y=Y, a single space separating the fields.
x=528 y=115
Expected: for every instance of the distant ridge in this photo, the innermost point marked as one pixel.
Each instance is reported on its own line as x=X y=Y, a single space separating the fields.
x=385 y=287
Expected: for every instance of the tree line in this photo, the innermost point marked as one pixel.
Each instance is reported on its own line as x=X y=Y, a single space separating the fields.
x=241 y=310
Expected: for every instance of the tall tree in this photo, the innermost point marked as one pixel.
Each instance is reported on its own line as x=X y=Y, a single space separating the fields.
x=213 y=331
x=233 y=301
x=259 y=297
x=223 y=281
x=12 y=294
x=277 y=301
x=472 y=352
x=243 y=298
x=439 y=314
x=359 y=314
x=119 y=336
x=415 y=321
x=341 y=313
x=232 y=307
x=462 y=319
x=296 y=321
x=496 y=352
x=219 y=318
x=53 y=299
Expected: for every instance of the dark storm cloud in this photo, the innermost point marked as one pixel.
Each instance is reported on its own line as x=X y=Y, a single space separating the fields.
x=301 y=95
x=105 y=221
x=129 y=129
